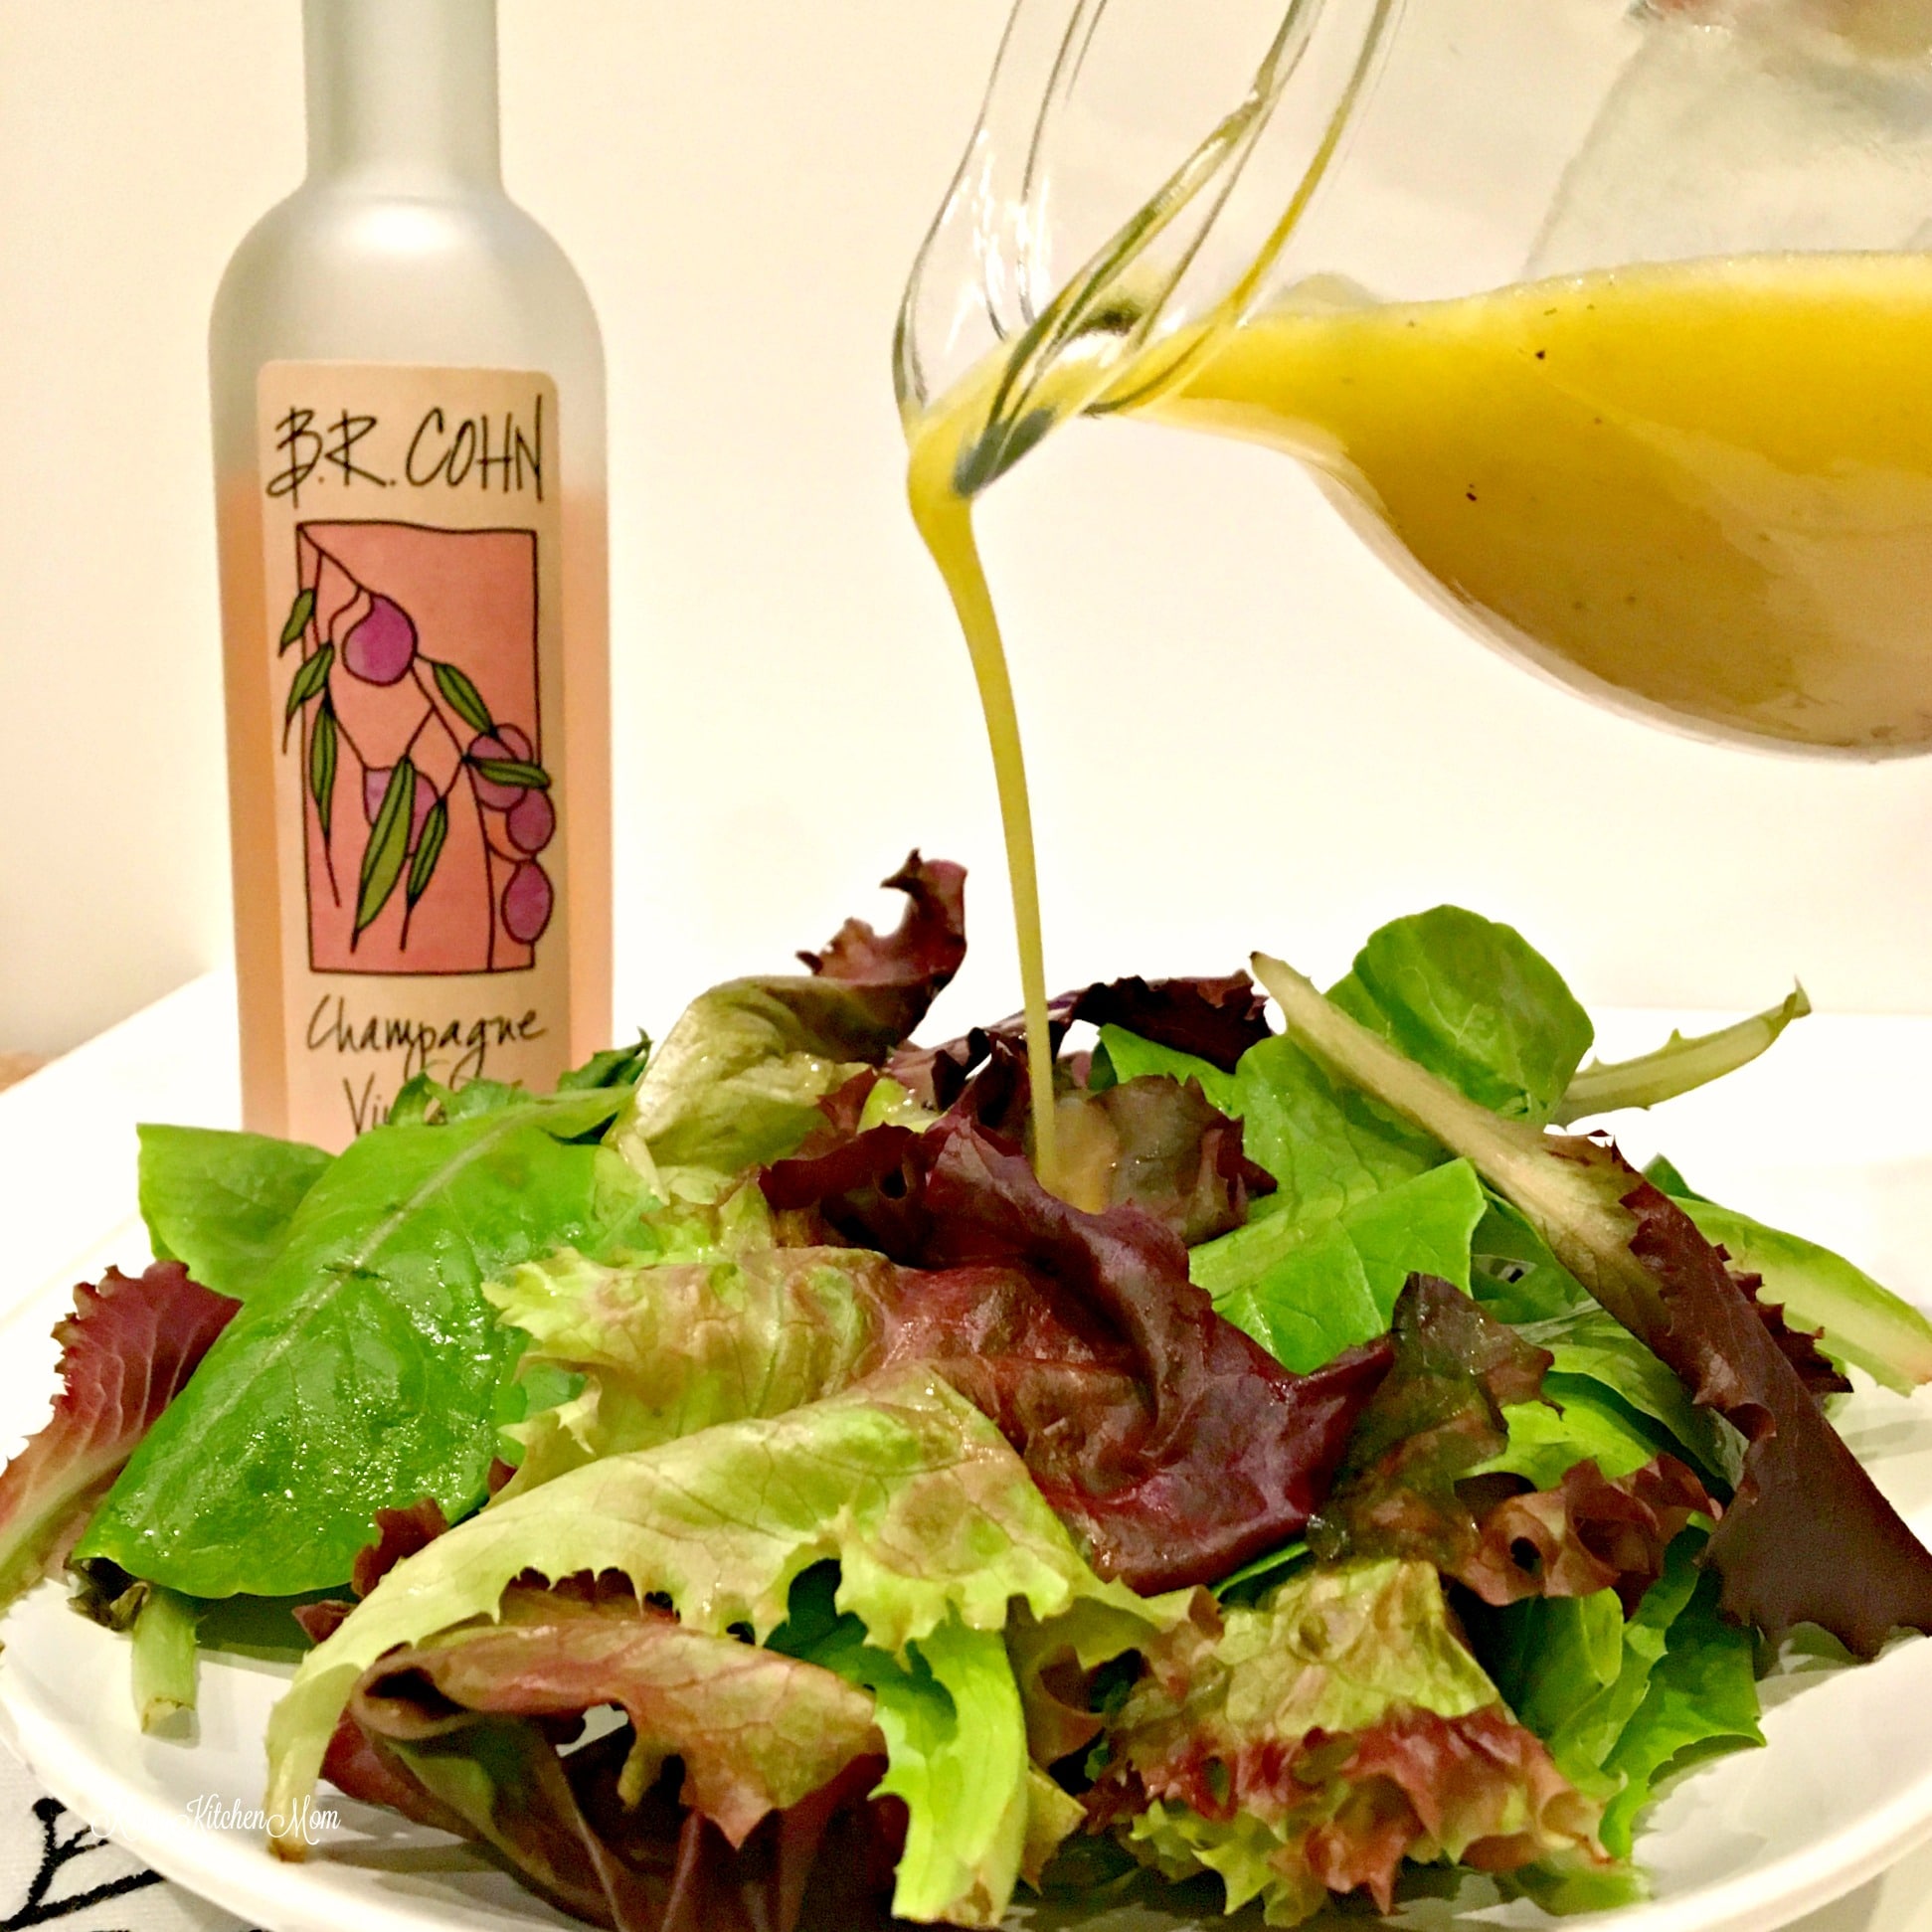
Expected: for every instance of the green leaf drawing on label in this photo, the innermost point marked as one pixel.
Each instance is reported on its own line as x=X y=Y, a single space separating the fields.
x=321 y=766
x=309 y=680
x=512 y=771
x=463 y=697
x=429 y=848
x=300 y=614
x=389 y=845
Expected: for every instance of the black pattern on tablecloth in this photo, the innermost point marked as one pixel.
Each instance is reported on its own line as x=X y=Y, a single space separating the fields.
x=56 y=1871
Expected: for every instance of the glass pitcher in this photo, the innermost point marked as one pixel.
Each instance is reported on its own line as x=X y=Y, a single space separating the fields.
x=1607 y=322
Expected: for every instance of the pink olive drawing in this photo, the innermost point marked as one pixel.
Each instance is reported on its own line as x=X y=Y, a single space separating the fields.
x=527 y=902
x=497 y=745
x=531 y=823
x=519 y=743
x=381 y=648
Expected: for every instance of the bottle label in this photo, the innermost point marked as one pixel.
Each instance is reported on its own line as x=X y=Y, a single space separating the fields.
x=411 y=524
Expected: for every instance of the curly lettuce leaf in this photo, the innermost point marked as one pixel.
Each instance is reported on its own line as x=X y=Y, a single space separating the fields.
x=1068 y=1330
x=727 y=1797
x=1212 y=1022
x=1307 y=1293
x=1321 y=1738
x=738 y=1079
x=363 y=1371
x=668 y=1346
x=127 y=1352
x=955 y=1749
x=1855 y=1569
x=755 y=1731
x=956 y=1745
x=1190 y=1450
x=220 y=1202
x=1476 y=1003
x=929 y=1516
x=1678 y=1066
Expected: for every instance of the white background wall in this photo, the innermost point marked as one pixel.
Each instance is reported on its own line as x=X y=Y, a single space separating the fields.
x=1242 y=732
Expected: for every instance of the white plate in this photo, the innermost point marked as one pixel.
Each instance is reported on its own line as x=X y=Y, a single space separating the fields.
x=1745 y=1845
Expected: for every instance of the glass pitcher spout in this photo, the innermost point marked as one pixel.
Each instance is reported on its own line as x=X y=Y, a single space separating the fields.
x=1051 y=271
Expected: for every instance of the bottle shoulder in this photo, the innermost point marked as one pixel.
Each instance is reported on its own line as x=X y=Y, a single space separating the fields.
x=345 y=272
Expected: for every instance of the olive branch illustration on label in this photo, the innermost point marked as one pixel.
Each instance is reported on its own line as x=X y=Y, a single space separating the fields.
x=406 y=810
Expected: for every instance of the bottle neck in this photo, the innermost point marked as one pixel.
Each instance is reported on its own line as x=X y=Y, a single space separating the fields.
x=402 y=92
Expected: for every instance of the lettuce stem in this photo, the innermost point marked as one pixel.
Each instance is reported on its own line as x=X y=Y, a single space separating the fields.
x=164 y=1657
x=1677 y=1065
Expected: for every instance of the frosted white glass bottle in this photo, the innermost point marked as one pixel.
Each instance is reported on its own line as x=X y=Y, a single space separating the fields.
x=407 y=387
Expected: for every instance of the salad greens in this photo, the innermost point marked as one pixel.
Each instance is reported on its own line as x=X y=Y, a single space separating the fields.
x=719 y=1324
x=1618 y=1700
x=927 y=1514
x=1854 y=1569
x=1862 y=1323
x=368 y=1369
x=1343 y=1475
x=221 y=1204
x=739 y=1078
x=127 y=1351
x=1307 y=1293
x=1363 y=1661
x=364 y=1368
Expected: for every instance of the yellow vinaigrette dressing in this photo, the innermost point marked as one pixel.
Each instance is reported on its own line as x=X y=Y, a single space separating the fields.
x=1706 y=486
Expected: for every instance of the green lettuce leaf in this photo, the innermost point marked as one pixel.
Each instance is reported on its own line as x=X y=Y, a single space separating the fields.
x=738 y=1081
x=220 y=1202
x=955 y=1741
x=1306 y=1293
x=363 y=1372
x=1320 y=1738
x=1864 y=1325
x=1476 y=1003
x=1598 y=1362
x=931 y=1518
x=1514 y=1273
x=1575 y=1423
x=1678 y=1066
x=1701 y=1699
x=613 y=1065
x=1618 y=1702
